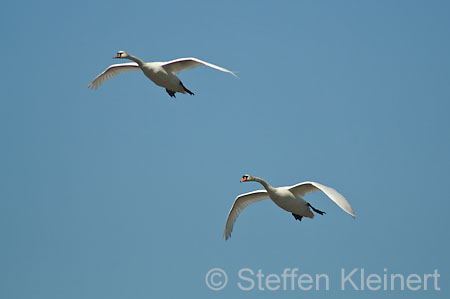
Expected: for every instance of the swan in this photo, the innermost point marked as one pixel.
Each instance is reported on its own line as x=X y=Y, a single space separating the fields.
x=287 y=198
x=161 y=73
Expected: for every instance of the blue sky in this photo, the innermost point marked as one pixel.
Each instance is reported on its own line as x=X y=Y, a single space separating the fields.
x=123 y=192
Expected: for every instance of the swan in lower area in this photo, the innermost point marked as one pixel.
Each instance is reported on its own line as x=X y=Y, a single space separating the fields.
x=287 y=198
x=161 y=73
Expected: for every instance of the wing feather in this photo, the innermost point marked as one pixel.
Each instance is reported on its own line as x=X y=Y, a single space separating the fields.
x=111 y=71
x=180 y=64
x=307 y=187
x=240 y=203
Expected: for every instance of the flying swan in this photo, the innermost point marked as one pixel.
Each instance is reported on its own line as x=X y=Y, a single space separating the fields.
x=161 y=73
x=287 y=198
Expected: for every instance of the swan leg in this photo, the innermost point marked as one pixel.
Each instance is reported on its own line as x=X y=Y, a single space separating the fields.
x=171 y=93
x=297 y=217
x=316 y=210
x=186 y=90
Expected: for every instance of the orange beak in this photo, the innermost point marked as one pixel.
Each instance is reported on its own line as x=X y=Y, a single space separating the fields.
x=243 y=179
x=117 y=56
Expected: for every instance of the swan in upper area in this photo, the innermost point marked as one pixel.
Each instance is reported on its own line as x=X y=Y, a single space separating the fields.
x=161 y=73
x=287 y=198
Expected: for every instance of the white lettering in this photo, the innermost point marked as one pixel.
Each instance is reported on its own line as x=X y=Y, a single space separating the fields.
x=349 y=278
x=372 y=279
x=414 y=278
x=242 y=277
x=305 y=279
x=327 y=281
x=275 y=279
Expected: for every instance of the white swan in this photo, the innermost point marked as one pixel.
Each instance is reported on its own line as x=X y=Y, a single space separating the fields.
x=161 y=73
x=287 y=198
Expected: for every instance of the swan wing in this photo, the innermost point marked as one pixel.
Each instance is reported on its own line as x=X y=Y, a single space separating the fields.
x=180 y=64
x=307 y=187
x=240 y=203
x=111 y=71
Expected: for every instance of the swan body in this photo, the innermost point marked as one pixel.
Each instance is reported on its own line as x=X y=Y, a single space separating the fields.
x=288 y=198
x=163 y=74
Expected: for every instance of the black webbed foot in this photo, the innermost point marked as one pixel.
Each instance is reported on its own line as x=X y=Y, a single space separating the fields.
x=171 y=93
x=186 y=90
x=316 y=210
x=297 y=217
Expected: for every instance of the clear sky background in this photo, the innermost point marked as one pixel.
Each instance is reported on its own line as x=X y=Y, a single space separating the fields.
x=123 y=192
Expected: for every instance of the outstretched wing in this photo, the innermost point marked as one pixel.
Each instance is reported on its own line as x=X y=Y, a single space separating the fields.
x=111 y=71
x=180 y=64
x=307 y=187
x=240 y=203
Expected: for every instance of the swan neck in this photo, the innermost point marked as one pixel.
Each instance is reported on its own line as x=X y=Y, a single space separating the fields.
x=263 y=182
x=135 y=59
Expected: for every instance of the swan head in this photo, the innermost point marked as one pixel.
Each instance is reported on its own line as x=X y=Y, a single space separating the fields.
x=246 y=177
x=122 y=54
